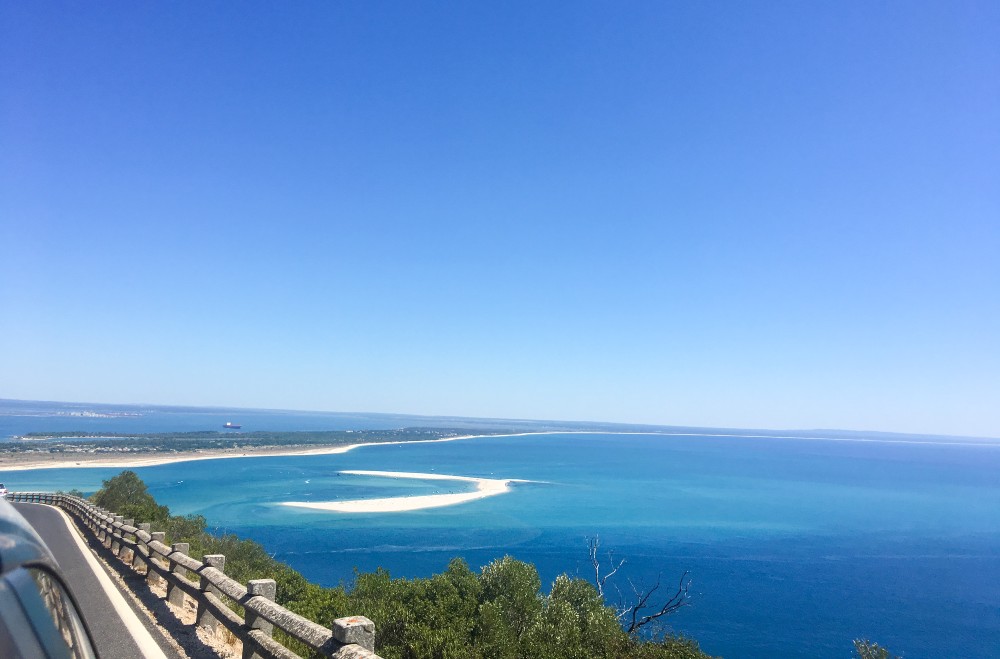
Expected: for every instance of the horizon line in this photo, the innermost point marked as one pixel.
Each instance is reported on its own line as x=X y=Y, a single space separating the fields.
x=509 y=419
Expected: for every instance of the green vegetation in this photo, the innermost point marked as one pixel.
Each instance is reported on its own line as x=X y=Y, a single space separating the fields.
x=498 y=613
x=865 y=649
x=201 y=440
x=126 y=494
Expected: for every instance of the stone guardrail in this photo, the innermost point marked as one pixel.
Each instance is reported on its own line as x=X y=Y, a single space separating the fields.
x=143 y=550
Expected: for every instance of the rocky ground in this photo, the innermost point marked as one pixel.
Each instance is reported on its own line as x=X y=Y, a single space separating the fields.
x=176 y=625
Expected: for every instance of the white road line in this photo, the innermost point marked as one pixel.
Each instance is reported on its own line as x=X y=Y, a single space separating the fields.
x=135 y=628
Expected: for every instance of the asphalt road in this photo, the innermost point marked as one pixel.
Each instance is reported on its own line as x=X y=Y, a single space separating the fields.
x=111 y=635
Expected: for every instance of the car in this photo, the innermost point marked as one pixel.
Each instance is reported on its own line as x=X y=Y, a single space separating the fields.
x=3 y=490
x=38 y=615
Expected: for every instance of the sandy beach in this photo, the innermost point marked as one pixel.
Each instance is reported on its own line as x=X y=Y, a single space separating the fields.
x=485 y=487
x=132 y=459
x=22 y=462
x=127 y=460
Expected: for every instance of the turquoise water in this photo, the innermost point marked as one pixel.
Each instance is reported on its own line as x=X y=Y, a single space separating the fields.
x=802 y=544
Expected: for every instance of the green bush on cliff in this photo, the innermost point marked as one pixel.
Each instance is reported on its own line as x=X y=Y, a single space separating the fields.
x=127 y=495
x=865 y=649
x=499 y=613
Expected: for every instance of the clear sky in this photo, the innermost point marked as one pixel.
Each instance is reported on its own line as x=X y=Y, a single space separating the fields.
x=747 y=214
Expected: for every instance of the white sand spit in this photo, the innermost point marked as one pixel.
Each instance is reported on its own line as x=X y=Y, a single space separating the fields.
x=485 y=487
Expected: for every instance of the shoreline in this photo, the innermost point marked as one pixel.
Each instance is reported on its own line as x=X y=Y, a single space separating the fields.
x=20 y=462
x=485 y=487
x=90 y=460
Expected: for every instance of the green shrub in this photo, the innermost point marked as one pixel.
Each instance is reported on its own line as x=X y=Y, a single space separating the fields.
x=866 y=649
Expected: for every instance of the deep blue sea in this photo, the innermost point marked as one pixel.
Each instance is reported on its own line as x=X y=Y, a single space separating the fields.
x=795 y=546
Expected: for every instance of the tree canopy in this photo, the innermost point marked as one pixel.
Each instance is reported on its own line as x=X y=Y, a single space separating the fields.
x=126 y=494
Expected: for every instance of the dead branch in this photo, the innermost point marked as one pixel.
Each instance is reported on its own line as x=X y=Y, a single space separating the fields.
x=633 y=616
x=679 y=599
x=593 y=544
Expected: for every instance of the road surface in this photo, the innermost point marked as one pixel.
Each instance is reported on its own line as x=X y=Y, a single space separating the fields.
x=119 y=633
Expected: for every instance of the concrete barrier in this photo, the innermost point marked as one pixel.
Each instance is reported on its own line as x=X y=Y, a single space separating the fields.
x=139 y=548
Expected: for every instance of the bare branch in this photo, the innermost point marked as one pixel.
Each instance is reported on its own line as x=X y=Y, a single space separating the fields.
x=639 y=613
x=678 y=600
x=621 y=609
x=593 y=544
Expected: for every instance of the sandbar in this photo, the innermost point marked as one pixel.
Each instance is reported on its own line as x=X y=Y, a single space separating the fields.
x=485 y=487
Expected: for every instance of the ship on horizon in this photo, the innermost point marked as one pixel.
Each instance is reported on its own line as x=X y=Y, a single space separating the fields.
x=229 y=425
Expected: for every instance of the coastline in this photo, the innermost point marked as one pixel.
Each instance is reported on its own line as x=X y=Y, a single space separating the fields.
x=91 y=460
x=26 y=462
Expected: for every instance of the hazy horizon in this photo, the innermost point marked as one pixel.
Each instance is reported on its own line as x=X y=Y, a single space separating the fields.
x=596 y=423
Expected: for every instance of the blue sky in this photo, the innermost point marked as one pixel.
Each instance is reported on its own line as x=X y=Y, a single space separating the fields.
x=768 y=214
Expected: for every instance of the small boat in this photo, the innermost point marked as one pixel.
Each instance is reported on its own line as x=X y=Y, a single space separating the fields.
x=232 y=426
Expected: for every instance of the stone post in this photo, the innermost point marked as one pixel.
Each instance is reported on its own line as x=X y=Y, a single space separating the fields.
x=115 y=545
x=152 y=578
x=355 y=629
x=266 y=588
x=174 y=594
x=137 y=557
x=107 y=530
x=205 y=618
x=127 y=553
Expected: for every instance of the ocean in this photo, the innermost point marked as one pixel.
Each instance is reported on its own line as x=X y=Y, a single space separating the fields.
x=795 y=546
